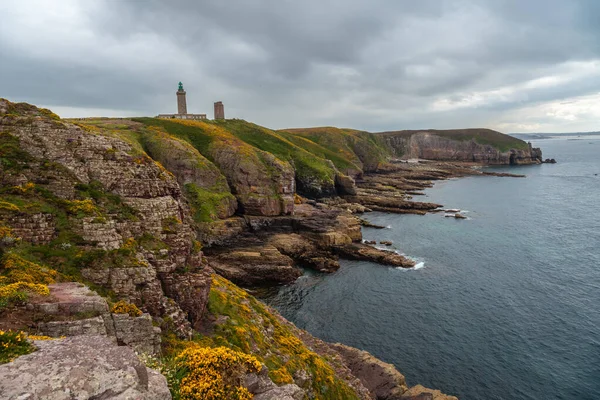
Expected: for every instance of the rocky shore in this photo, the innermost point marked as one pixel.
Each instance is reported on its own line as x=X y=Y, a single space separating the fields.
x=135 y=232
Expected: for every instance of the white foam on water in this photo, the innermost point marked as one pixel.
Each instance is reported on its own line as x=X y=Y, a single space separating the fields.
x=419 y=265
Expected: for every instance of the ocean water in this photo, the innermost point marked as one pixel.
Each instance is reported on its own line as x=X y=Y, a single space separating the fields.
x=506 y=304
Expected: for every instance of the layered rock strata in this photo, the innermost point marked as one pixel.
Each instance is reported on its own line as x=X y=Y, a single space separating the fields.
x=62 y=158
x=470 y=145
x=72 y=309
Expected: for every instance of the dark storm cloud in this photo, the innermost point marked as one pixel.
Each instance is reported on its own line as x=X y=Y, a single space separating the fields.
x=374 y=65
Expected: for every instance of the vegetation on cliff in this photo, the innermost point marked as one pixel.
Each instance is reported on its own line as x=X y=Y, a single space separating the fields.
x=481 y=136
x=366 y=151
x=247 y=326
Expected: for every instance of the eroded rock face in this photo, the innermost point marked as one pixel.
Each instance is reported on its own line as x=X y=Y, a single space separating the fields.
x=77 y=156
x=430 y=146
x=254 y=266
x=190 y=167
x=345 y=185
x=190 y=291
x=35 y=229
x=263 y=184
x=62 y=370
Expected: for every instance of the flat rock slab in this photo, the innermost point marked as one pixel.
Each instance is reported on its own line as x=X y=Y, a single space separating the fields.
x=70 y=298
x=81 y=367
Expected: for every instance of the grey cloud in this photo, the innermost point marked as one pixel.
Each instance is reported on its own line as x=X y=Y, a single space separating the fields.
x=372 y=65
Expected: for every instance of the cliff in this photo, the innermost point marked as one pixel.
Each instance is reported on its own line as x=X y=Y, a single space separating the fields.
x=114 y=229
x=482 y=146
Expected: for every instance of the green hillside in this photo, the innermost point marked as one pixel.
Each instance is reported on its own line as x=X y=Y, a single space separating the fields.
x=363 y=149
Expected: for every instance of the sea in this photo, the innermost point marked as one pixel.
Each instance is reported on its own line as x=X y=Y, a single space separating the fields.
x=502 y=305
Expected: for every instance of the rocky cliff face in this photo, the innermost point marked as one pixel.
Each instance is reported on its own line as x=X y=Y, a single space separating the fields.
x=97 y=194
x=262 y=183
x=478 y=146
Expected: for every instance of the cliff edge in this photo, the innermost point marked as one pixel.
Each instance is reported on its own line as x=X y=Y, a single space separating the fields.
x=482 y=146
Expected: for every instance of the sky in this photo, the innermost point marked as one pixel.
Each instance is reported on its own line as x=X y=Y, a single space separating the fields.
x=375 y=65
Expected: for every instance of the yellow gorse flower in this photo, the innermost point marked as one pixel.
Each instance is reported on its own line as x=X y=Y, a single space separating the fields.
x=215 y=373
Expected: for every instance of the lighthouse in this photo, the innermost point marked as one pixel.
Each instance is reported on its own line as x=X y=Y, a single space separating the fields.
x=181 y=103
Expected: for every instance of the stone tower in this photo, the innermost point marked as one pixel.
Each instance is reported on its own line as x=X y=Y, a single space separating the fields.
x=219 y=110
x=181 y=103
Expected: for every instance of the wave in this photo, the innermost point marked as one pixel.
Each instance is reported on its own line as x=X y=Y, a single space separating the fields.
x=419 y=265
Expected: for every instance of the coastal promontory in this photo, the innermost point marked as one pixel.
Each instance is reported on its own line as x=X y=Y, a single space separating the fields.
x=132 y=241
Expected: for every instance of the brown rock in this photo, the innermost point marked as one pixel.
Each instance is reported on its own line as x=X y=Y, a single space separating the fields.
x=418 y=390
x=253 y=266
x=190 y=290
x=345 y=185
x=305 y=252
x=356 y=251
x=441 y=145
x=380 y=378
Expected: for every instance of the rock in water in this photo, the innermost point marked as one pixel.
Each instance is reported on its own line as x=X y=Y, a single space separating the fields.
x=382 y=379
x=81 y=367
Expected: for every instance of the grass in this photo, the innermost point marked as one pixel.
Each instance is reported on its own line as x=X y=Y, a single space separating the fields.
x=207 y=205
x=498 y=140
x=12 y=157
x=194 y=134
x=362 y=149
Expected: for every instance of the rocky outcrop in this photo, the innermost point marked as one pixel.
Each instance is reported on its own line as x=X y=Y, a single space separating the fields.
x=382 y=379
x=345 y=185
x=36 y=229
x=192 y=170
x=305 y=252
x=420 y=392
x=133 y=198
x=482 y=146
x=68 y=299
x=362 y=252
x=61 y=370
x=72 y=309
x=254 y=266
x=190 y=291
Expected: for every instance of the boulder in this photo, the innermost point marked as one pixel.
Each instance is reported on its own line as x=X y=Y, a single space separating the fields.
x=345 y=185
x=82 y=367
